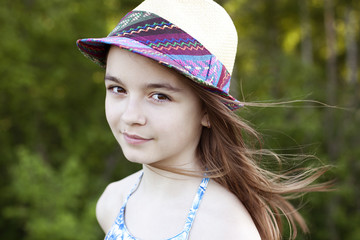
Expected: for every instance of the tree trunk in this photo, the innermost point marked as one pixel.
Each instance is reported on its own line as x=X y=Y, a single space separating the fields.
x=330 y=126
x=352 y=101
x=351 y=47
x=306 y=44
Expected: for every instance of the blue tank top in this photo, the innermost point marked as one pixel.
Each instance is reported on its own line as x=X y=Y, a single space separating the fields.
x=119 y=230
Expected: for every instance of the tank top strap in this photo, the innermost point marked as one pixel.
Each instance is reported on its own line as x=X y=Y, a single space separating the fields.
x=134 y=188
x=119 y=230
x=194 y=208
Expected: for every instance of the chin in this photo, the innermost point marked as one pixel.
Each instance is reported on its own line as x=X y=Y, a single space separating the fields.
x=137 y=159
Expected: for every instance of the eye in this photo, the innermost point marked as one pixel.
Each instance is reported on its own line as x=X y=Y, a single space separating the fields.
x=116 y=89
x=160 y=97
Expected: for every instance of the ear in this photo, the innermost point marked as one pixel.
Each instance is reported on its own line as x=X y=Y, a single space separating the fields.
x=205 y=120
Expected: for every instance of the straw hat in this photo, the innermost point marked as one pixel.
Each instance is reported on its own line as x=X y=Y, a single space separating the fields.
x=195 y=37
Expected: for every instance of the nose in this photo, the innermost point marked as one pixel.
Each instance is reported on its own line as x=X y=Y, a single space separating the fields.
x=133 y=113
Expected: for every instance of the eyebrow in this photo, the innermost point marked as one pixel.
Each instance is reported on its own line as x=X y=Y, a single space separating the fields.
x=112 y=78
x=165 y=86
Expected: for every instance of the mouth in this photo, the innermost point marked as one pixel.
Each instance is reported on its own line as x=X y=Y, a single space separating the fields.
x=135 y=139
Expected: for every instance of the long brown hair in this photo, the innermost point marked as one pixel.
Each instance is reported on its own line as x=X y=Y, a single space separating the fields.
x=235 y=164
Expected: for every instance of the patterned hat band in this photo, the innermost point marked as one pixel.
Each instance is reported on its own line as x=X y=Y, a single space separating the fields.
x=151 y=36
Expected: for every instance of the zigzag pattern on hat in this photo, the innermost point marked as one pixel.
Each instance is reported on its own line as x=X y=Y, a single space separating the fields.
x=163 y=36
x=175 y=43
x=146 y=28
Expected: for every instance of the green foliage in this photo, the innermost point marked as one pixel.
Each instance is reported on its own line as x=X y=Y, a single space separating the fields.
x=56 y=148
x=272 y=66
x=51 y=201
x=57 y=153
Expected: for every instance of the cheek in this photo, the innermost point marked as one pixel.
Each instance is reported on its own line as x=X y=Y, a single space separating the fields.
x=110 y=112
x=183 y=125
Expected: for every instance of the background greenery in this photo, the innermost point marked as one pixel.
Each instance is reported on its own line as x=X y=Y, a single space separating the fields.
x=57 y=153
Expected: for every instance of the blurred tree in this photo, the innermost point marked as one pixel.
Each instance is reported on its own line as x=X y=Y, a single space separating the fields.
x=273 y=38
x=56 y=147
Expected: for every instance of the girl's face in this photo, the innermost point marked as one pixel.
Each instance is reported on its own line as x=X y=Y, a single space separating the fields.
x=153 y=114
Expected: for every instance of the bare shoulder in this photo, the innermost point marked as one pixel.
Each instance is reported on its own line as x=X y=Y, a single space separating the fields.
x=221 y=215
x=111 y=200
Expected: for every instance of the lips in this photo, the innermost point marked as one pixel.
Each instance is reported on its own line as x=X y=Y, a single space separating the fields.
x=135 y=139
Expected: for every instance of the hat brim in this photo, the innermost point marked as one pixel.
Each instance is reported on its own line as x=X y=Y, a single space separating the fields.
x=96 y=49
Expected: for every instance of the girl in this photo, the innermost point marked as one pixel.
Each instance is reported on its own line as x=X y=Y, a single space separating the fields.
x=168 y=68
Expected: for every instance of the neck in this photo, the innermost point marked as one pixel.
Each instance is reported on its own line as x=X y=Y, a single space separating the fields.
x=160 y=182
